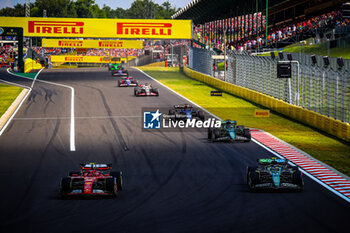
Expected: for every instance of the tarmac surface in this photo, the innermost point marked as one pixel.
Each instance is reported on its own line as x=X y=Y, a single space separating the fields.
x=173 y=181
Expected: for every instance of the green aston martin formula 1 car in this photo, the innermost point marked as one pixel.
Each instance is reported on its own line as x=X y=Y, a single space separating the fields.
x=274 y=173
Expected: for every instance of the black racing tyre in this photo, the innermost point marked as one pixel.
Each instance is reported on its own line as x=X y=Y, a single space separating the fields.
x=74 y=173
x=136 y=90
x=215 y=135
x=210 y=132
x=171 y=112
x=241 y=127
x=155 y=90
x=119 y=83
x=298 y=178
x=110 y=185
x=252 y=177
x=66 y=185
x=246 y=134
x=119 y=176
x=200 y=115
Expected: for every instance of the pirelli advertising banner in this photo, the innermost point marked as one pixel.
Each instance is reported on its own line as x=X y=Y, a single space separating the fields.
x=85 y=59
x=100 y=28
x=100 y=44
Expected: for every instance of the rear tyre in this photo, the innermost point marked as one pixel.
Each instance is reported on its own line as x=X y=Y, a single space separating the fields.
x=252 y=178
x=119 y=83
x=119 y=177
x=298 y=179
x=201 y=115
x=247 y=135
x=210 y=133
x=155 y=90
x=215 y=135
x=110 y=185
x=66 y=185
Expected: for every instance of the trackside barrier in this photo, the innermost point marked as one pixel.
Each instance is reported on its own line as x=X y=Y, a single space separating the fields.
x=314 y=119
x=30 y=64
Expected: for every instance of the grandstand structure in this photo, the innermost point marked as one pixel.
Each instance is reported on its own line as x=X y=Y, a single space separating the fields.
x=240 y=29
x=241 y=21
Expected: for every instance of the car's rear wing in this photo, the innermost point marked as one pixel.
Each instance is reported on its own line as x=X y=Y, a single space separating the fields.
x=232 y=122
x=182 y=106
x=93 y=166
x=272 y=160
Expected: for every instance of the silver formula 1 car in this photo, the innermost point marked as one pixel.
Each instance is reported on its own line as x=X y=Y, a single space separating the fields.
x=146 y=90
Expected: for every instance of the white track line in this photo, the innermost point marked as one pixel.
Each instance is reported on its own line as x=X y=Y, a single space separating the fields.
x=72 y=122
x=260 y=144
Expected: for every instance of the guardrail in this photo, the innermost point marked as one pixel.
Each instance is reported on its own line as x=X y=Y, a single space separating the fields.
x=317 y=87
x=327 y=124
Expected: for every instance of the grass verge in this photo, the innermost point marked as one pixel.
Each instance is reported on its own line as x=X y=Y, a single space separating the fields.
x=330 y=150
x=8 y=94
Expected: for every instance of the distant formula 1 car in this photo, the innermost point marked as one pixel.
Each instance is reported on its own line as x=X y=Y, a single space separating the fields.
x=229 y=131
x=121 y=71
x=183 y=112
x=127 y=82
x=274 y=173
x=146 y=90
x=93 y=179
x=113 y=66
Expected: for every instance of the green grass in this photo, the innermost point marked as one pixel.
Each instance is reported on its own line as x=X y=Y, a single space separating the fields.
x=330 y=150
x=7 y=95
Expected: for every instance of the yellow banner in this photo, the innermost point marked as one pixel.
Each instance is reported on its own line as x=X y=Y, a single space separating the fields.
x=101 y=28
x=261 y=113
x=100 y=44
x=86 y=59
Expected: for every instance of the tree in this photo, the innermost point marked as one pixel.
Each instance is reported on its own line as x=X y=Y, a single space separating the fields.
x=57 y=8
x=83 y=8
x=17 y=11
x=140 y=9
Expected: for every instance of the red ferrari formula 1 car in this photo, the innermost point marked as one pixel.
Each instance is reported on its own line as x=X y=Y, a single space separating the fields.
x=146 y=90
x=93 y=179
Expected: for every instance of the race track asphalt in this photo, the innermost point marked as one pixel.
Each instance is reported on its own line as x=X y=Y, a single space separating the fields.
x=173 y=181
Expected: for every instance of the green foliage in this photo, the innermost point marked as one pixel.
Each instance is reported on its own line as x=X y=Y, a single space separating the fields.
x=140 y=9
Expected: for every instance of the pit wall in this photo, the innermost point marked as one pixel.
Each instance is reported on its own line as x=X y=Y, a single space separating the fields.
x=316 y=120
x=30 y=64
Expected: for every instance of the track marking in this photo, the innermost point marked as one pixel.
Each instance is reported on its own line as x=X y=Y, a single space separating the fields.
x=260 y=144
x=72 y=120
